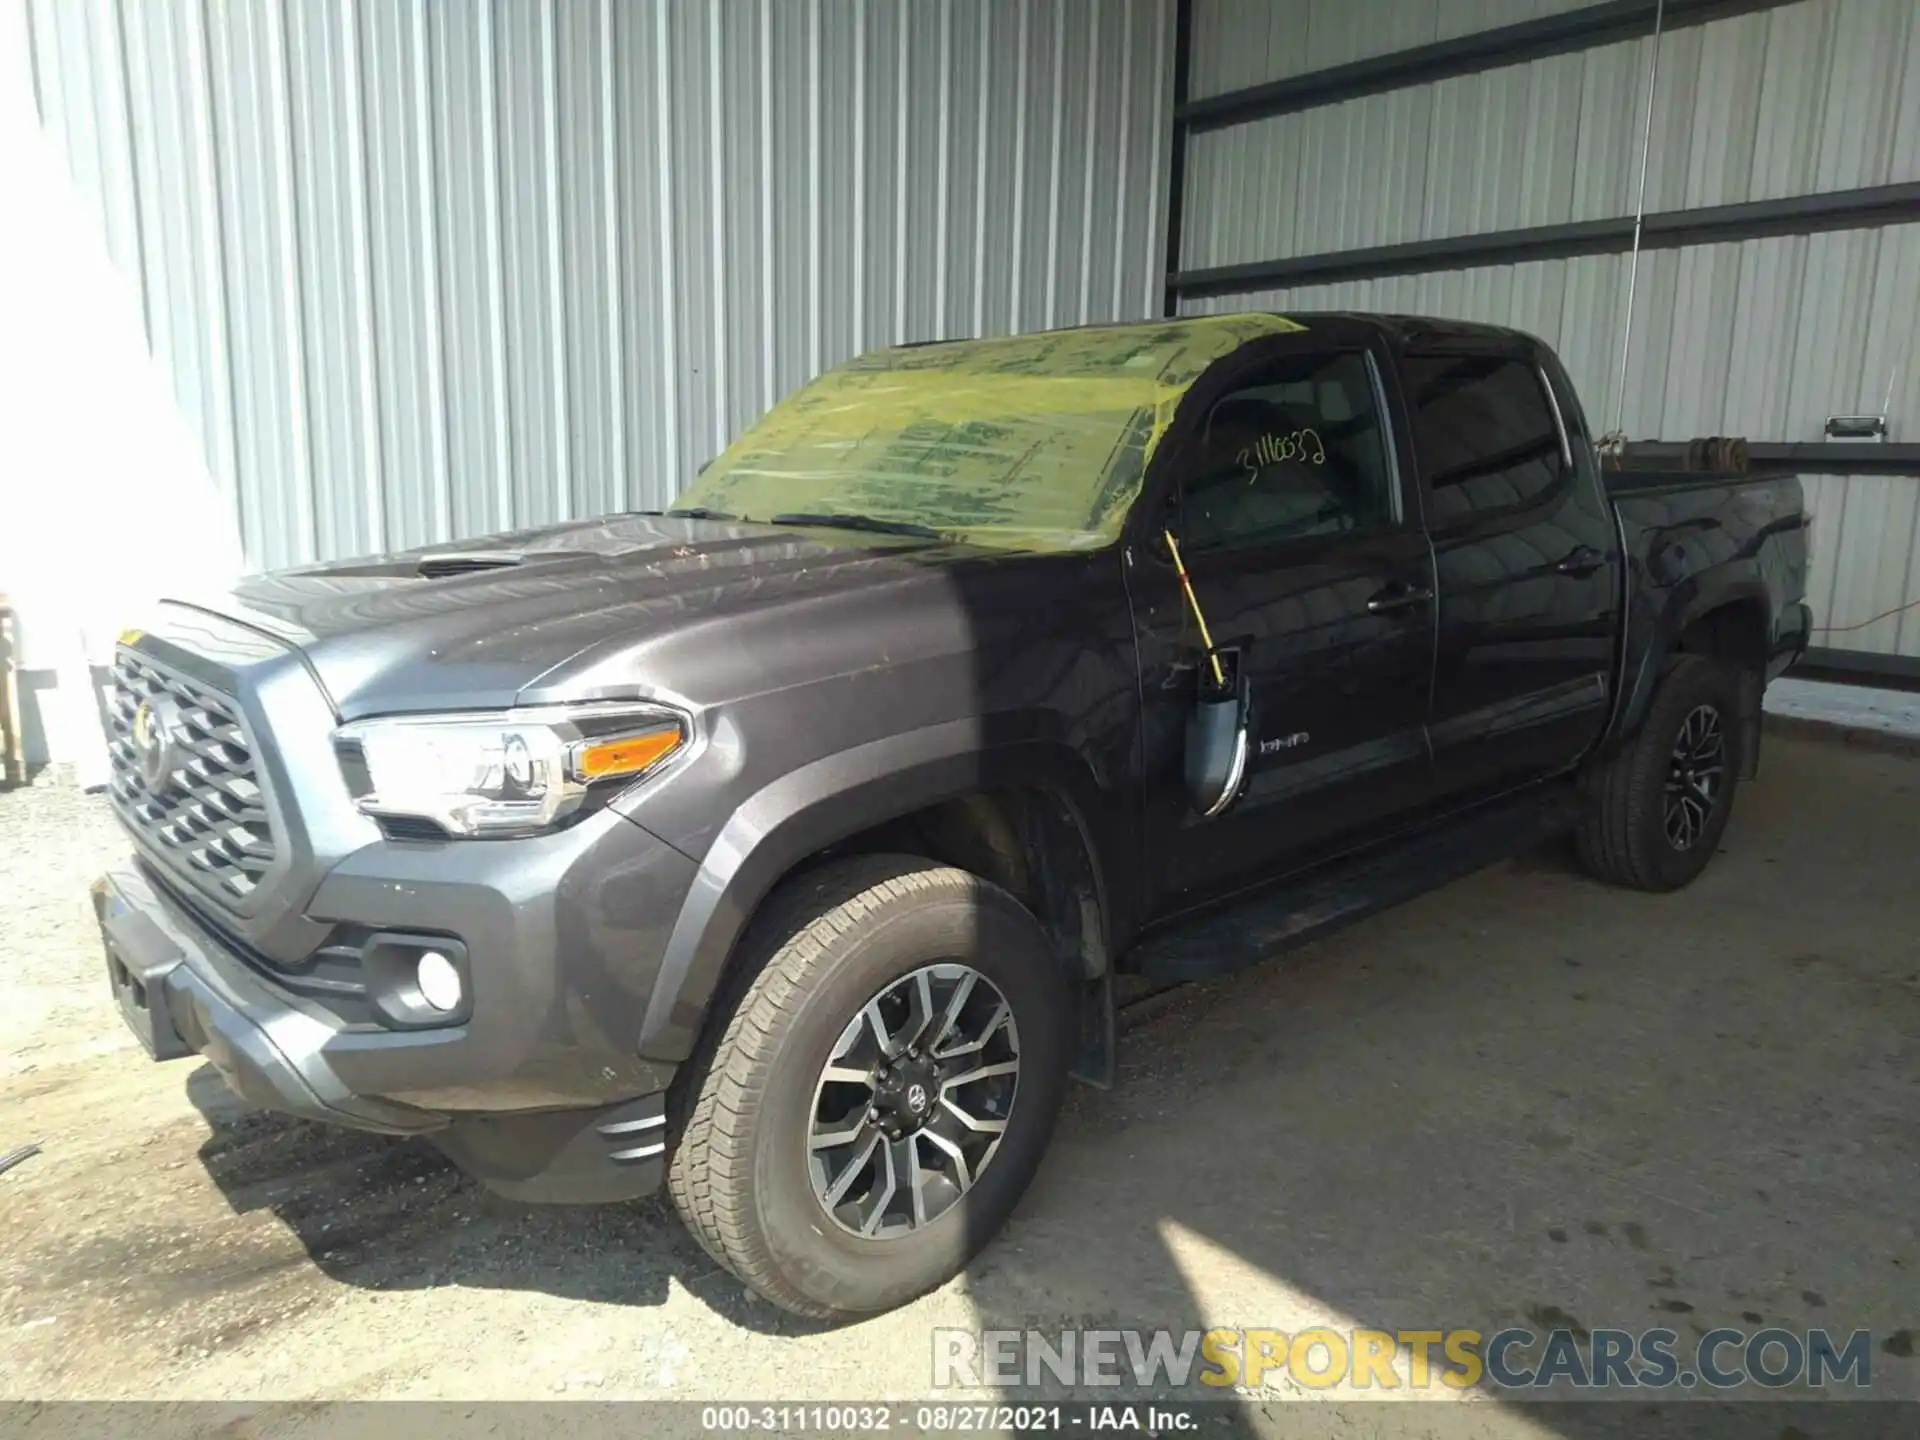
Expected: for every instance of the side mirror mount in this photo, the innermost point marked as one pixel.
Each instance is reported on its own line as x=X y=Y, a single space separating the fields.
x=1217 y=738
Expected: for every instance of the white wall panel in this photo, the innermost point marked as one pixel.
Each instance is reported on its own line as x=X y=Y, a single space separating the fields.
x=1536 y=144
x=428 y=268
x=1822 y=95
x=1238 y=43
x=1764 y=339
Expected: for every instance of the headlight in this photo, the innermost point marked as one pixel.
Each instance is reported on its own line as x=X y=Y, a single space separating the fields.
x=516 y=772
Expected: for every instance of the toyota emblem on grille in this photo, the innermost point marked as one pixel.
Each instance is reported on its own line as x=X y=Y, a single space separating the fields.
x=153 y=743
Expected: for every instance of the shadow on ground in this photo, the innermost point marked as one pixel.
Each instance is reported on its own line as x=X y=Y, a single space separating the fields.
x=385 y=1213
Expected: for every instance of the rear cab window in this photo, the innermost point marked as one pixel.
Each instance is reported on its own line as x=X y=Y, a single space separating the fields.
x=1486 y=433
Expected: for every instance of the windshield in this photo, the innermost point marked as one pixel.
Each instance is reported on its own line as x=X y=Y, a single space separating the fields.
x=1037 y=441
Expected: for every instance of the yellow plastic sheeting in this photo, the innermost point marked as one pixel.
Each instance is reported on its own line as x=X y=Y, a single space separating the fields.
x=1038 y=441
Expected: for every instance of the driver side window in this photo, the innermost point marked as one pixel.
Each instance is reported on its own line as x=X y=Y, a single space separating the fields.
x=1296 y=452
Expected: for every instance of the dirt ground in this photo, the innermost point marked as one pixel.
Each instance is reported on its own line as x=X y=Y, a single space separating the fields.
x=1524 y=1099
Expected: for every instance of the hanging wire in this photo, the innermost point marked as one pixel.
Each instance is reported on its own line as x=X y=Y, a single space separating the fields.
x=1618 y=435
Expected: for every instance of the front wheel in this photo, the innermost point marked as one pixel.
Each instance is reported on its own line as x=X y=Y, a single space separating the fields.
x=876 y=1099
x=1658 y=809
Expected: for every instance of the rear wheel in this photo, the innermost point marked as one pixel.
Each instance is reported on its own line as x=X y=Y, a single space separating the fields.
x=878 y=1093
x=1660 y=807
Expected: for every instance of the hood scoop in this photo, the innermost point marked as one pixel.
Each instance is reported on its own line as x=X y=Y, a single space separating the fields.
x=466 y=562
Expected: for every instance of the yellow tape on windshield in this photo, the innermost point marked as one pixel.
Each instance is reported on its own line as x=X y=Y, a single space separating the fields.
x=1033 y=440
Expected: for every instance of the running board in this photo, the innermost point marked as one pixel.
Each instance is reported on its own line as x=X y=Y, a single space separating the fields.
x=1257 y=926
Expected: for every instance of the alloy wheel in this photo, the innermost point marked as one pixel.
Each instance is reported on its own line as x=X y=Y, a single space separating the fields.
x=912 y=1103
x=1696 y=772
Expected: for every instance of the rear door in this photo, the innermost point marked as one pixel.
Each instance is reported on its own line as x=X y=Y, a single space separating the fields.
x=1307 y=556
x=1526 y=561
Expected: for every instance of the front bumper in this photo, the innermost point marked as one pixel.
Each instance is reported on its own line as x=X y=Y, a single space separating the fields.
x=516 y=1096
x=181 y=996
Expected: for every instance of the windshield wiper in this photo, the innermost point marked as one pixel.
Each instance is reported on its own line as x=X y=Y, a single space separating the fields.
x=869 y=523
x=698 y=512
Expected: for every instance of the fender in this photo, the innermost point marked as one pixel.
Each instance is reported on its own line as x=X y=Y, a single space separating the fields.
x=827 y=800
x=1681 y=606
x=1695 y=548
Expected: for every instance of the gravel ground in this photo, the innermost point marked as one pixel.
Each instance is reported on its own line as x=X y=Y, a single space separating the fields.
x=56 y=838
x=1523 y=1099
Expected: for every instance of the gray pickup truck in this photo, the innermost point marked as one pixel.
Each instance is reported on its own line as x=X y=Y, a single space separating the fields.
x=782 y=847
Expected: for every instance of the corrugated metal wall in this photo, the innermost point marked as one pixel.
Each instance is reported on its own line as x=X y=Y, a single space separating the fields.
x=428 y=268
x=1237 y=43
x=1765 y=338
x=1822 y=95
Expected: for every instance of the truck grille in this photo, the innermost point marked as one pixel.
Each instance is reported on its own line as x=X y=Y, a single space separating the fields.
x=184 y=779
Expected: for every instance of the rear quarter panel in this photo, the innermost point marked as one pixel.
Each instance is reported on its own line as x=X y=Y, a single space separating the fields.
x=1695 y=544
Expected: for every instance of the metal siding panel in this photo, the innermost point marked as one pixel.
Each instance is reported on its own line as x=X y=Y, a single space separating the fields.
x=1067 y=157
x=1026 y=308
x=1543 y=143
x=521 y=60
x=43 y=62
x=477 y=421
x=64 y=70
x=1821 y=95
x=1606 y=155
x=918 y=177
x=1873 y=59
x=247 y=164
x=687 y=141
x=1764 y=338
x=1238 y=43
x=420 y=271
x=582 y=295
x=336 y=300
x=832 y=206
x=1806 y=98
x=210 y=298
x=173 y=240
x=1158 y=120
x=787 y=182
x=403 y=279
x=649 y=415
x=1098 y=39
x=113 y=129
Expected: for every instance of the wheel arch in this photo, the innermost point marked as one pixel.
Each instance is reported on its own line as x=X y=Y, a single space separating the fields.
x=1018 y=813
x=1732 y=623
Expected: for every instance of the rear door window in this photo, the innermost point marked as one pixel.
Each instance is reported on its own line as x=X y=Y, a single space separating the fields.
x=1486 y=435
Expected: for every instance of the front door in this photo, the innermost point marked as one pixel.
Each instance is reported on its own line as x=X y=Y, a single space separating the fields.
x=1308 y=560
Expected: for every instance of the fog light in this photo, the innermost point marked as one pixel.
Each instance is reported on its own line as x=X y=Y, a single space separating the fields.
x=438 y=979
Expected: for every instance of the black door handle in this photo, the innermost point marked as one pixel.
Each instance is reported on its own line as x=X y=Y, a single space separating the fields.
x=1398 y=597
x=1581 y=560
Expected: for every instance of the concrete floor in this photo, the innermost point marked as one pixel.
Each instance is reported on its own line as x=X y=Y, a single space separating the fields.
x=1524 y=1099
x=1891 y=715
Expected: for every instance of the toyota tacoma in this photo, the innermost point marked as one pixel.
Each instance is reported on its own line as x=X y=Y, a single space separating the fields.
x=782 y=847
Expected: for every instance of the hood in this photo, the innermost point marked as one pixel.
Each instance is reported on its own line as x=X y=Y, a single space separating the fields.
x=622 y=605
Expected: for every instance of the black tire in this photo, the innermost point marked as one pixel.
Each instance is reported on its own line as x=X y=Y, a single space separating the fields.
x=1625 y=838
x=823 y=946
